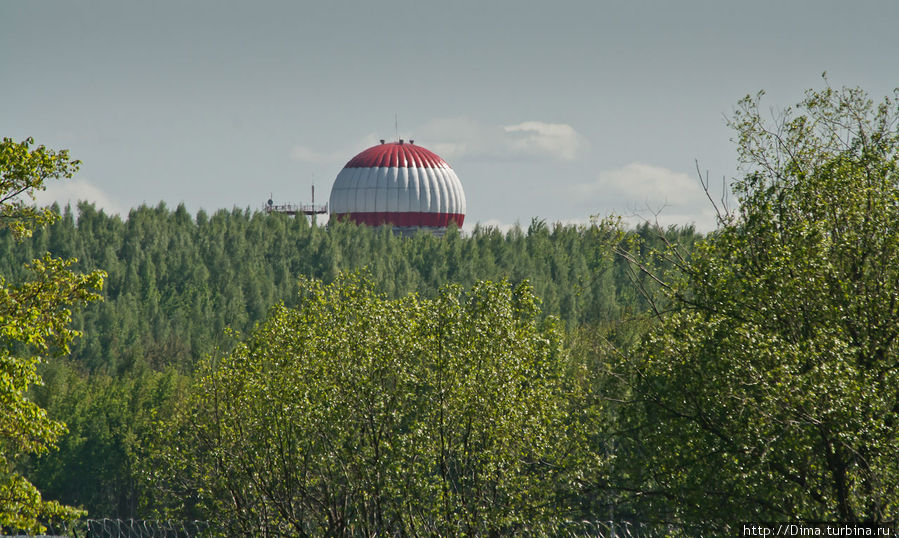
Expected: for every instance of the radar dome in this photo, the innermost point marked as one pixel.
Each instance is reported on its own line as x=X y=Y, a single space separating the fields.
x=400 y=184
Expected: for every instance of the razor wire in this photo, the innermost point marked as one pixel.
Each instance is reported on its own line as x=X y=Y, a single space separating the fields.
x=142 y=528
x=120 y=528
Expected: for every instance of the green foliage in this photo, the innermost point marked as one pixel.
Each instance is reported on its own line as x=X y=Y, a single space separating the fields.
x=358 y=414
x=34 y=322
x=771 y=392
x=178 y=282
x=109 y=420
x=24 y=170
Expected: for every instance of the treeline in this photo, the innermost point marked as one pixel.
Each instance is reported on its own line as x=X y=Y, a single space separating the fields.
x=180 y=286
x=176 y=281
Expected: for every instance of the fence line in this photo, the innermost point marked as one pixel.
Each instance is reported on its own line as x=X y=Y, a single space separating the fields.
x=120 y=528
x=142 y=528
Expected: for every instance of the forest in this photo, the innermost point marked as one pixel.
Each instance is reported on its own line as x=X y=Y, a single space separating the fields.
x=283 y=378
x=182 y=288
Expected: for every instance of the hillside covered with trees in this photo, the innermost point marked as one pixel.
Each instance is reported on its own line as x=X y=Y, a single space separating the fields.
x=181 y=288
x=176 y=281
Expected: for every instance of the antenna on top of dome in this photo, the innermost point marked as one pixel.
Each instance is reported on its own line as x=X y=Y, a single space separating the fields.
x=396 y=126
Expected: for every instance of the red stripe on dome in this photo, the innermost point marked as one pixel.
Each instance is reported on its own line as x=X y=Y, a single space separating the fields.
x=409 y=218
x=396 y=154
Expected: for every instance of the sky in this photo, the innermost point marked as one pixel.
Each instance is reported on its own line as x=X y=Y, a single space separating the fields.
x=557 y=110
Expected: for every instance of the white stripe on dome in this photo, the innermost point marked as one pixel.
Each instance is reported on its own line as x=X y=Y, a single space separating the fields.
x=438 y=200
x=359 y=191
x=397 y=189
x=392 y=191
x=380 y=190
x=430 y=188
x=446 y=197
x=411 y=200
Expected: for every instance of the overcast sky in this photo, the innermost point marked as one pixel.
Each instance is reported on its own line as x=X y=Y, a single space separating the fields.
x=557 y=110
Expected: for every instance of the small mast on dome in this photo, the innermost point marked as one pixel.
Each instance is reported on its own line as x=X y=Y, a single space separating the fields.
x=310 y=210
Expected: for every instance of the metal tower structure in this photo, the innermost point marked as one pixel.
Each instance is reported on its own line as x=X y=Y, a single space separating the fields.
x=310 y=210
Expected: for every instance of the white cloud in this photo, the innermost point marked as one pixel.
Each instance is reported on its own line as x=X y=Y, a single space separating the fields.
x=75 y=190
x=558 y=140
x=453 y=138
x=645 y=182
x=647 y=192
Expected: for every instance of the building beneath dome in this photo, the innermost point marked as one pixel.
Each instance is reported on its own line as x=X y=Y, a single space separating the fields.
x=400 y=184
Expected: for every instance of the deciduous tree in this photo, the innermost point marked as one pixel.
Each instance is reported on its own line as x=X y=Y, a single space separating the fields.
x=354 y=414
x=771 y=391
x=34 y=322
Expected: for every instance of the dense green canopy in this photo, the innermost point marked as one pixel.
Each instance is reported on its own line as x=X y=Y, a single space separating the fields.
x=354 y=414
x=35 y=316
x=771 y=391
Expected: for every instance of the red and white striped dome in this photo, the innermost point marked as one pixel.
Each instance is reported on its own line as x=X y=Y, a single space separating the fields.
x=400 y=184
